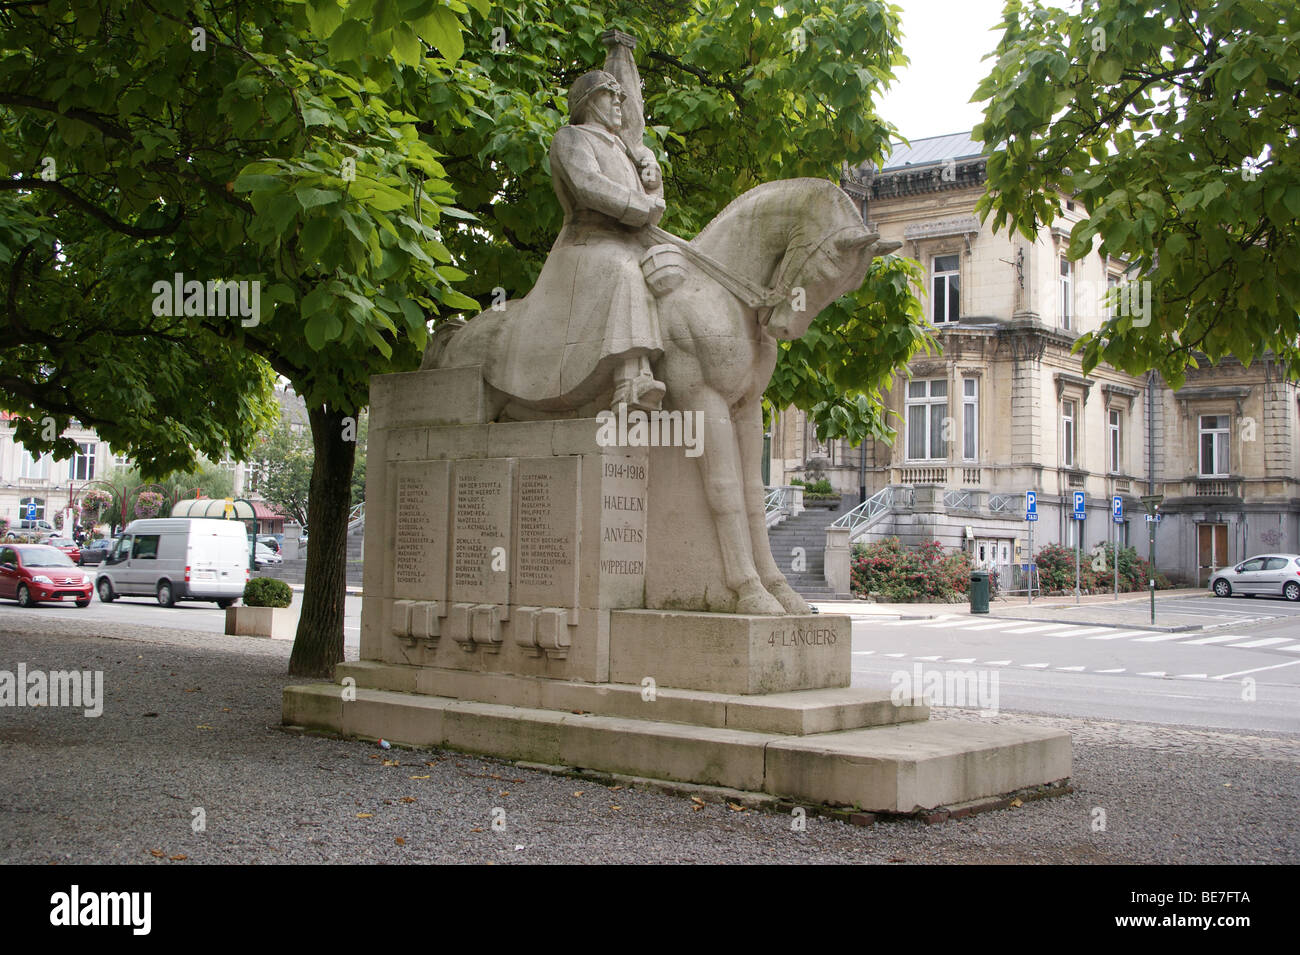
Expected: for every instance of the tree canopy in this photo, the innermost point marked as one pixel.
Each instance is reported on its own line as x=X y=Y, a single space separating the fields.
x=1175 y=123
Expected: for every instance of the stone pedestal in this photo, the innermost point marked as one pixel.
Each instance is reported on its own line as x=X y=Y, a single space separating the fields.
x=508 y=571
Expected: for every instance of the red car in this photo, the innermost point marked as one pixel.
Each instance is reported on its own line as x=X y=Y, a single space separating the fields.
x=68 y=546
x=31 y=573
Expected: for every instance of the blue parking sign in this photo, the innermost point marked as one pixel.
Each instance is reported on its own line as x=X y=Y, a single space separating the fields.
x=1079 y=504
x=31 y=511
x=1031 y=502
x=1117 y=509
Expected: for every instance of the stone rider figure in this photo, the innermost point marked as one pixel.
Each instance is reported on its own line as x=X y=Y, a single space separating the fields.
x=591 y=317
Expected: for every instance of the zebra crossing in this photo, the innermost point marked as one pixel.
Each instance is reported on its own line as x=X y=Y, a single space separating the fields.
x=1050 y=632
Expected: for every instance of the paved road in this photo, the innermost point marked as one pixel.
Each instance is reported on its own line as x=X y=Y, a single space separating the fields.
x=202 y=617
x=1201 y=678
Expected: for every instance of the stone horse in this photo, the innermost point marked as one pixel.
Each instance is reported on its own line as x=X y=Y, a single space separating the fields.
x=760 y=271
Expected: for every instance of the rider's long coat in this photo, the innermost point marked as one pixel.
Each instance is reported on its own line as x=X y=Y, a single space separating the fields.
x=590 y=307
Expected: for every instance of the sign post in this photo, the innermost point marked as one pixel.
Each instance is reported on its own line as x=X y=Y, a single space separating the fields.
x=1079 y=504
x=1116 y=519
x=1031 y=515
x=1152 y=503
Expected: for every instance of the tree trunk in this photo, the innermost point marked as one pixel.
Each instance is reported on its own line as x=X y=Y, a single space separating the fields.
x=318 y=644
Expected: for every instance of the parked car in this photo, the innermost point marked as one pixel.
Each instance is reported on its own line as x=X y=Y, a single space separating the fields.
x=264 y=556
x=67 y=545
x=270 y=541
x=95 y=551
x=24 y=528
x=34 y=573
x=177 y=558
x=1274 y=574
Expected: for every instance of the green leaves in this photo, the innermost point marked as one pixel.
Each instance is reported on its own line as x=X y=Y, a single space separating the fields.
x=1164 y=120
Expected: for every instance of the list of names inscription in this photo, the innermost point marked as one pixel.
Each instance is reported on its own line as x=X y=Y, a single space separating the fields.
x=420 y=531
x=480 y=531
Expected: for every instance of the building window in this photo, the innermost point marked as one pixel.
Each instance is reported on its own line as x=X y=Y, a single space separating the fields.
x=36 y=468
x=947 y=288
x=1069 y=433
x=1112 y=303
x=927 y=407
x=122 y=462
x=1115 y=440
x=970 y=419
x=82 y=465
x=1216 y=433
x=1067 y=292
x=40 y=508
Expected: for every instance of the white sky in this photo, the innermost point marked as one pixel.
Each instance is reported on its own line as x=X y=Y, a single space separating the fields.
x=945 y=40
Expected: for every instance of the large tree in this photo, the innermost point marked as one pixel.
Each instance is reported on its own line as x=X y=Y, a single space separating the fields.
x=1175 y=123
x=327 y=151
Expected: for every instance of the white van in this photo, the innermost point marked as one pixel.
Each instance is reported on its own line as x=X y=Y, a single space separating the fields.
x=177 y=558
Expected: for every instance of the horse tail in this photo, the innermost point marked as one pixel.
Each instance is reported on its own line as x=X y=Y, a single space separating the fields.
x=442 y=335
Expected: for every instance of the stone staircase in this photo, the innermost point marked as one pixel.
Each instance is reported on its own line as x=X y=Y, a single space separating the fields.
x=808 y=531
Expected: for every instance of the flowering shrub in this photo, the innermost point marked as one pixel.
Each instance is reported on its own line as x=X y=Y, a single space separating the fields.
x=898 y=574
x=148 y=504
x=1056 y=570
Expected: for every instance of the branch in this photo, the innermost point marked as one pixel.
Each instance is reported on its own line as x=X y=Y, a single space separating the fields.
x=97 y=120
x=11 y=185
x=703 y=75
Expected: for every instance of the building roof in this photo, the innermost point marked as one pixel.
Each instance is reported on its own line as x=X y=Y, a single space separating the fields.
x=933 y=149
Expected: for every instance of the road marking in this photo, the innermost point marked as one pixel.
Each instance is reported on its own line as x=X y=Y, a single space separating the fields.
x=997 y=663
x=983 y=626
x=1071 y=669
x=1161 y=637
x=963 y=660
x=895 y=656
x=1036 y=666
x=890 y=623
x=1116 y=670
x=928 y=659
x=1221 y=638
x=1192 y=676
x=863 y=653
x=1037 y=628
x=1291 y=649
x=1275 y=666
x=1154 y=673
x=1266 y=642
x=1119 y=634
x=1082 y=631
x=941 y=622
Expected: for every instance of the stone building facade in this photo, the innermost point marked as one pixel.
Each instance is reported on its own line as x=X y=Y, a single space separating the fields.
x=1004 y=407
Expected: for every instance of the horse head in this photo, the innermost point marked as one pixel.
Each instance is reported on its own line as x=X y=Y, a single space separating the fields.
x=816 y=273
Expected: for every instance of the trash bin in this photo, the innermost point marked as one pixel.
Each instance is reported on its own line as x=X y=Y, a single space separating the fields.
x=979 y=591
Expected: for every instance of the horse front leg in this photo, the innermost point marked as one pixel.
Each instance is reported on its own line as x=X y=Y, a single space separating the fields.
x=749 y=434
x=720 y=468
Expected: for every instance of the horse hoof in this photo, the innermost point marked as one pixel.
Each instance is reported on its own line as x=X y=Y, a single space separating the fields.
x=788 y=598
x=759 y=601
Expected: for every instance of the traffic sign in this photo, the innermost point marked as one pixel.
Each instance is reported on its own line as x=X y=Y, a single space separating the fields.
x=1031 y=502
x=1079 y=504
x=1031 y=516
x=31 y=511
x=1117 y=509
x=1153 y=518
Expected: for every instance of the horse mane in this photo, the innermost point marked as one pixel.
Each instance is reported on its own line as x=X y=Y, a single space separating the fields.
x=833 y=204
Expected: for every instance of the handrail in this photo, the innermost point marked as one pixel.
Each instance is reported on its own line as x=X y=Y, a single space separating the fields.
x=357 y=517
x=861 y=518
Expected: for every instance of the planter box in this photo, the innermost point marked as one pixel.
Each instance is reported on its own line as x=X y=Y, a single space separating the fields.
x=276 y=622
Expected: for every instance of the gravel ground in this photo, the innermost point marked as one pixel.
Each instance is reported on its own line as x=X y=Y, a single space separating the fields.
x=190 y=722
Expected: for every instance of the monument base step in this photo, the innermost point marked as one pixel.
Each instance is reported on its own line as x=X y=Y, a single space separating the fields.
x=904 y=768
x=796 y=713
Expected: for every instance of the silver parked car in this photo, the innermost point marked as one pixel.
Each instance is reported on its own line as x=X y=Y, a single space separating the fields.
x=1275 y=574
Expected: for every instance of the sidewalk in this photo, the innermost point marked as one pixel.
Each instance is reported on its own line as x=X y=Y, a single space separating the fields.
x=1130 y=611
x=191 y=723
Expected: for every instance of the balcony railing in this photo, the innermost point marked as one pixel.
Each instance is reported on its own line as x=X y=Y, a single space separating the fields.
x=1217 y=487
x=923 y=475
